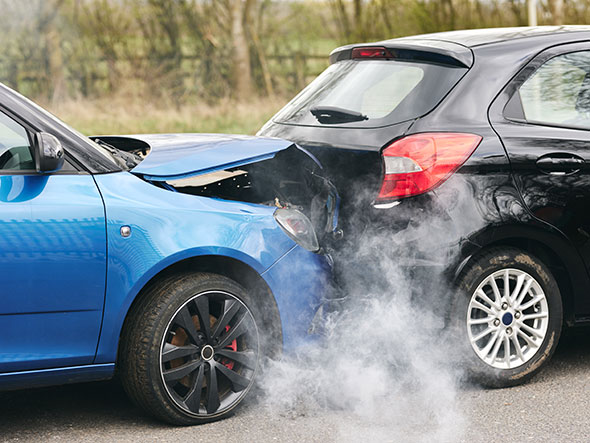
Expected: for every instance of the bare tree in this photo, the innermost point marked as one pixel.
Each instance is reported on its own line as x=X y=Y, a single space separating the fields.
x=209 y=49
x=556 y=7
x=46 y=26
x=240 y=12
x=252 y=25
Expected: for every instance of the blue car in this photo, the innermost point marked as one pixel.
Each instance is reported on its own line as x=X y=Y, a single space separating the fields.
x=177 y=261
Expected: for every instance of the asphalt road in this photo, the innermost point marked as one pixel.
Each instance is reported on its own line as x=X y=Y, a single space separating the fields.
x=554 y=407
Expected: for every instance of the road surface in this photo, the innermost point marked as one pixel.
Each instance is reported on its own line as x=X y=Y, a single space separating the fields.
x=555 y=406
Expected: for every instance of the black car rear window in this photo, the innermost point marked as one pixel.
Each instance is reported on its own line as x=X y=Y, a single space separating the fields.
x=373 y=92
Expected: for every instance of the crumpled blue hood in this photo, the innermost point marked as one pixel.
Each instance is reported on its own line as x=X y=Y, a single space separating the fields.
x=174 y=156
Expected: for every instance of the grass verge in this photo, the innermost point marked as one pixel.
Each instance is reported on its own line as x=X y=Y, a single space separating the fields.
x=119 y=116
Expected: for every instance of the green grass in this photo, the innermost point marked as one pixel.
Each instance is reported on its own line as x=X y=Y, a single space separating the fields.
x=120 y=116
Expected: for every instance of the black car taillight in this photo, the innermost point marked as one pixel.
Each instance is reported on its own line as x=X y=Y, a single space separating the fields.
x=418 y=163
x=297 y=226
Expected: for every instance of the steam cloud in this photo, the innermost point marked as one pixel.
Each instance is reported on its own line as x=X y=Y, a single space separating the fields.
x=386 y=362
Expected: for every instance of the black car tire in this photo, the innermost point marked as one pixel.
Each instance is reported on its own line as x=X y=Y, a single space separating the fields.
x=158 y=346
x=495 y=264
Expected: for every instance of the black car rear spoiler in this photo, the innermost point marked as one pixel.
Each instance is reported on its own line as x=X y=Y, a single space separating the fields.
x=432 y=51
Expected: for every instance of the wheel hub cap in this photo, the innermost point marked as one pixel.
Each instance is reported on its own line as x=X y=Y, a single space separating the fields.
x=207 y=352
x=507 y=318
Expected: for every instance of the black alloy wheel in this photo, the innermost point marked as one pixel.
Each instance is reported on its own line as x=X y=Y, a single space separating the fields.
x=190 y=353
x=209 y=353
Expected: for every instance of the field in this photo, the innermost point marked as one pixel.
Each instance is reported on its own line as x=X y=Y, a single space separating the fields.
x=130 y=116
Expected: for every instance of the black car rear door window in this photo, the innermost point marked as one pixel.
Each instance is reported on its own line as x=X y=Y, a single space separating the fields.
x=558 y=92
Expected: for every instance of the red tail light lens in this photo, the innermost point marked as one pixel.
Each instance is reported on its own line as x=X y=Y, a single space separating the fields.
x=420 y=162
x=372 y=53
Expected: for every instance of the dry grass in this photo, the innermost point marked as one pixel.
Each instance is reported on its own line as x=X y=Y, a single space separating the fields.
x=133 y=116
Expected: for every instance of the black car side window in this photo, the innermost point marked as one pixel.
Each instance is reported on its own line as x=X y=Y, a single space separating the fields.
x=558 y=93
x=15 y=148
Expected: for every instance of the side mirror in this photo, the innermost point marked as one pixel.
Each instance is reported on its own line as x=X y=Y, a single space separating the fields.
x=49 y=152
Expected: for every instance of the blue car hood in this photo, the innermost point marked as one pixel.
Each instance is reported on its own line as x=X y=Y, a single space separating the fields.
x=174 y=156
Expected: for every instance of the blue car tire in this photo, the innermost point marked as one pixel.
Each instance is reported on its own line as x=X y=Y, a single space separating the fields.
x=190 y=348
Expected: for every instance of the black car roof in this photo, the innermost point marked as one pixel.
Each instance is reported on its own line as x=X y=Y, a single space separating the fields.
x=478 y=37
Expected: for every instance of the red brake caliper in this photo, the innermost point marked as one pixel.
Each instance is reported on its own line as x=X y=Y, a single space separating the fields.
x=232 y=346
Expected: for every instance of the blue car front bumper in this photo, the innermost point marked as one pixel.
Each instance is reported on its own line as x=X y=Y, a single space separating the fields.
x=299 y=281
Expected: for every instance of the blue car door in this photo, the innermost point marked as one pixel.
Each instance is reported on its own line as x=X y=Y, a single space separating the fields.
x=52 y=259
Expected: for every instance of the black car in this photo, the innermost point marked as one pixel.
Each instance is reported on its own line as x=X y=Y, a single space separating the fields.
x=484 y=135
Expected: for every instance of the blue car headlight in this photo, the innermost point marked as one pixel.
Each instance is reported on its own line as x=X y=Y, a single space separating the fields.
x=297 y=226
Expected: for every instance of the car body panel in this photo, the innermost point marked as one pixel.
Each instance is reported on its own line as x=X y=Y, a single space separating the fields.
x=168 y=227
x=344 y=153
x=559 y=200
x=53 y=267
x=174 y=156
x=297 y=298
x=508 y=218
x=56 y=376
x=478 y=37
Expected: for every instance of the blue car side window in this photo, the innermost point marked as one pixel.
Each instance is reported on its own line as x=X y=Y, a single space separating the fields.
x=15 y=148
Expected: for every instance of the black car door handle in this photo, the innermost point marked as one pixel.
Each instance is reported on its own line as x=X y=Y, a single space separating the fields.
x=560 y=164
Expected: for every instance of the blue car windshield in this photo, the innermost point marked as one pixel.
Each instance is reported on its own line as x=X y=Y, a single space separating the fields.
x=100 y=150
x=98 y=156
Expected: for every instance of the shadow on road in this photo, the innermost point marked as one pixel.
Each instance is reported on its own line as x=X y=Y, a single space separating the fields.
x=85 y=406
x=572 y=355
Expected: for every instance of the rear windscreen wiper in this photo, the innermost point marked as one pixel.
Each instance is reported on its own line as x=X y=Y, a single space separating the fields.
x=333 y=114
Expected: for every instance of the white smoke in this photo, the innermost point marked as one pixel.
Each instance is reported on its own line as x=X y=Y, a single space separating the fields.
x=386 y=362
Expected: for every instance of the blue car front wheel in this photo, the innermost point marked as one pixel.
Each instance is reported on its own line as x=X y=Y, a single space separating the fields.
x=190 y=349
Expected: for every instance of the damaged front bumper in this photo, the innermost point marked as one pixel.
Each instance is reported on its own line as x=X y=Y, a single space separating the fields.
x=298 y=299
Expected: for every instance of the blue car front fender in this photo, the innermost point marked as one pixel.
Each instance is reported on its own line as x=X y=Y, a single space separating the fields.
x=168 y=227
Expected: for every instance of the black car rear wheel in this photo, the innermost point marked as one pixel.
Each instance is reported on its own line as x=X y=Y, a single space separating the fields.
x=190 y=350
x=508 y=316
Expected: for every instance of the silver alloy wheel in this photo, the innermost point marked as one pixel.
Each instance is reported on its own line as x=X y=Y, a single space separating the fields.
x=507 y=318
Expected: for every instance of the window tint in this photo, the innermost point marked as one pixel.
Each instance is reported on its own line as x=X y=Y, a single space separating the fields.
x=384 y=92
x=558 y=93
x=387 y=91
x=15 y=149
